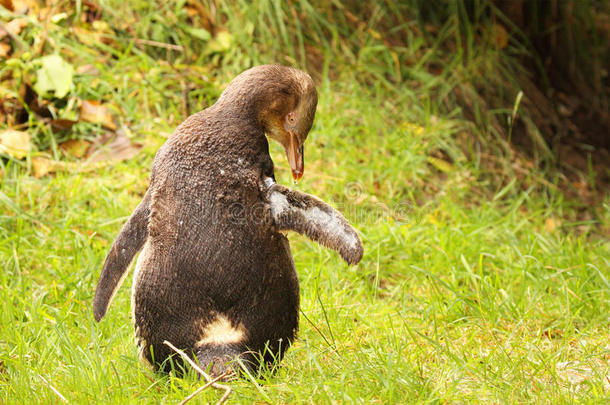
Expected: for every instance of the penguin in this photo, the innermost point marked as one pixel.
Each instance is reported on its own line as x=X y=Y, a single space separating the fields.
x=215 y=275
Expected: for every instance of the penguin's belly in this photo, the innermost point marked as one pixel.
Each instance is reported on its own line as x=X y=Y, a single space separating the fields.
x=212 y=297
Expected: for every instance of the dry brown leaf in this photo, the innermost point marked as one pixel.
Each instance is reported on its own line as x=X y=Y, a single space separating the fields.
x=4 y=49
x=61 y=124
x=573 y=372
x=113 y=148
x=101 y=33
x=14 y=143
x=87 y=69
x=576 y=372
x=108 y=149
x=191 y=11
x=10 y=106
x=97 y=113
x=75 y=147
x=41 y=166
x=14 y=27
x=499 y=36
x=87 y=37
x=22 y=6
x=430 y=28
x=551 y=224
x=7 y=4
x=205 y=17
x=375 y=34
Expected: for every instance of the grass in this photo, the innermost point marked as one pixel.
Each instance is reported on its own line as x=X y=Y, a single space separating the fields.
x=475 y=286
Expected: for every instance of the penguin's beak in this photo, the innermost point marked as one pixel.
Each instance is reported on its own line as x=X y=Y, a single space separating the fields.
x=294 y=152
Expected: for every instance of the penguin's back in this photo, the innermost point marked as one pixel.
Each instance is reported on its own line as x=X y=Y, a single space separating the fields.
x=213 y=270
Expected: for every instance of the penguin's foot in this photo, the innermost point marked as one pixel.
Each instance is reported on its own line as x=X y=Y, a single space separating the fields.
x=219 y=359
x=210 y=381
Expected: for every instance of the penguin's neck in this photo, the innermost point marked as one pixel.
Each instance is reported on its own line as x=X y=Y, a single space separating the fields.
x=241 y=115
x=243 y=102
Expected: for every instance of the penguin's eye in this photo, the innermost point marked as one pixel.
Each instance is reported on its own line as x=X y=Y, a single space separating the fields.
x=291 y=118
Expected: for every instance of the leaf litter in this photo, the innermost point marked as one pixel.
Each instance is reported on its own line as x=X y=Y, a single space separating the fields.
x=15 y=143
x=108 y=149
x=97 y=113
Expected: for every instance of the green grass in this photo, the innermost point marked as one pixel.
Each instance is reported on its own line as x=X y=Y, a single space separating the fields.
x=474 y=288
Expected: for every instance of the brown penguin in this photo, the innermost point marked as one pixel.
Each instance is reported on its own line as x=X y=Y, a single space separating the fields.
x=215 y=276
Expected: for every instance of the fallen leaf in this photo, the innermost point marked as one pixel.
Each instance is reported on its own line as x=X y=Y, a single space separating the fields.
x=101 y=33
x=41 y=166
x=374 y=33
x=22 y=6
x=85 y=36
x=14 y=27
x=430 y=28
x=97 y=113
x=7 y=4
x=113 y=148
x=14 y=143
x=61 y=124
x=108 y=149
x=499 y=36
x=191 y=11
x=10 y=108
x=576 y=373
x=55 y=75
x=88 y=69
x=206 y=19
x=75 y=147
x=4 y=49
x=573 y=372
x=551 y=224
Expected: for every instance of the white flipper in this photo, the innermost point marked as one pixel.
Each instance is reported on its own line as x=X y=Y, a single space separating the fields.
x=309 y=216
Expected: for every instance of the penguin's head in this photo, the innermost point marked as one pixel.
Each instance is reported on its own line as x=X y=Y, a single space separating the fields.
x=284 y=101
x=290 y=108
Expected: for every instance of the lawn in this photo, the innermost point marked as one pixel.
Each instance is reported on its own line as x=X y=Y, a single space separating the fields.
x=476 y=286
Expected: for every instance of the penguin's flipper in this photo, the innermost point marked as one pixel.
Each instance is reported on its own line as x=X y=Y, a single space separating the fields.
x=309 y=216
x=127 y=244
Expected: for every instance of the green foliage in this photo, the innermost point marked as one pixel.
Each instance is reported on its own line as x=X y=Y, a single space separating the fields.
x=53 y=76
